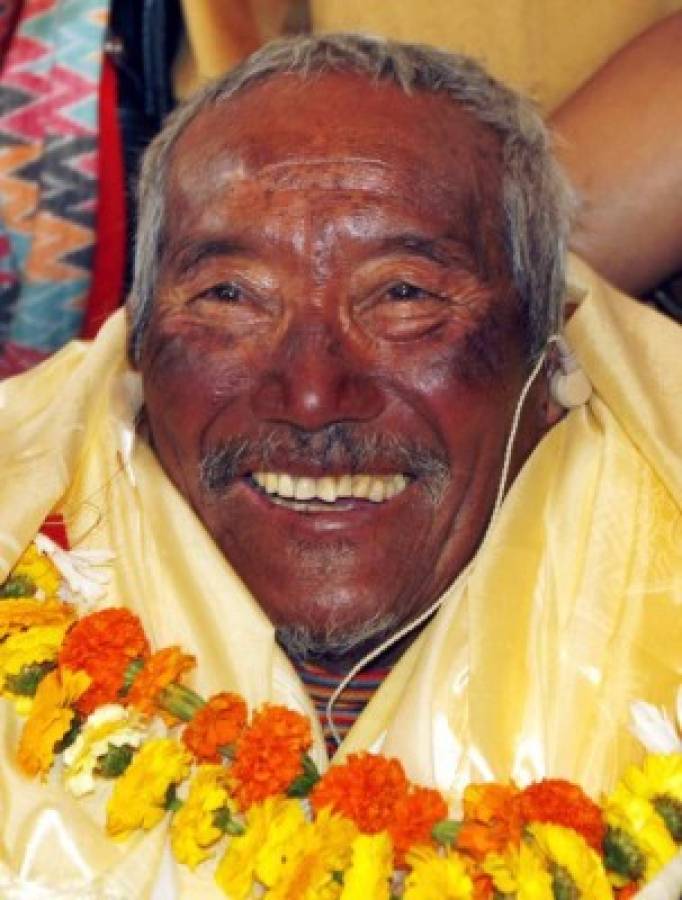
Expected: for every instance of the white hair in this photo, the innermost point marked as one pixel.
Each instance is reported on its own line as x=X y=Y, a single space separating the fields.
x=536 y=198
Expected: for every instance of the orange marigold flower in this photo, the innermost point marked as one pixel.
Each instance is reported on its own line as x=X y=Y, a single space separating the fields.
x=103 y=644
x=629 y=891
x=560 y=802
x=484 y=887
x=413 y=817
x=160 y=670
x=492 y=819
x=269 y=754
x=365 y=789
x=217 y=724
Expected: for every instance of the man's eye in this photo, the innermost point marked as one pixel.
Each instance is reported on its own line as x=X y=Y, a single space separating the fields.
x=403 y=290
x=226 y=292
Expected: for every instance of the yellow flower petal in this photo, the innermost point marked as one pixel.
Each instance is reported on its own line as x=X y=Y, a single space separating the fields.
x=139 y=795
x=317 y=851
x=570 y=850
x=638 y=818
x=50 y=718
x=237 y=869
x=659 y=776
x=371 y=868
x=37 y=645
x=519 y=871
x=436 y=877
x=40 y=569
x=192 y=830
x=16 y=615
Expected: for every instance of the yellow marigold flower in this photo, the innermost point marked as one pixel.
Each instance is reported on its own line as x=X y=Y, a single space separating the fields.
x=50 y=718
x=521 y=872
x=286 y=823
x=139 y=795
x=371 y=868
x=25 y=648
x=40 y=569
x=570 y=850
x=111 y=724
x=192 y=830
x=638 y=818
x=268 y=826
x=16 y=615
x=319 y=849
x=659 y=776
x=435 y=877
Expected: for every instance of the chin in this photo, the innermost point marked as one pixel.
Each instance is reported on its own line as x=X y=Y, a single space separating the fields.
x=336 y=642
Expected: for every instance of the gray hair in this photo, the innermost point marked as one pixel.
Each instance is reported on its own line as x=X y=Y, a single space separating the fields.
x=536 y=198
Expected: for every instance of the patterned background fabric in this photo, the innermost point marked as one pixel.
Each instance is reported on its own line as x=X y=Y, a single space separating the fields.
x=49 y=82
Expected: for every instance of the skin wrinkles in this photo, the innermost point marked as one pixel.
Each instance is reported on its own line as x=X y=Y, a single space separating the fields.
x=345 y=301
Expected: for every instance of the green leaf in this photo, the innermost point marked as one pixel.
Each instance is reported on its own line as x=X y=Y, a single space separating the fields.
x=172 y=802
x=70 y=735
x=670 y=810
x=563 y=886
x=622 y=855
x=222 y=819
x=115 y=761
x=17 y=586
x=133 y=669
x=180 y=701
x=25 y=682
x=302 y=785
x=445 y=832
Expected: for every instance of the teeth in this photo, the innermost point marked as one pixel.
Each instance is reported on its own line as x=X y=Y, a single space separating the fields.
x=326 y=489
x=344 y=486
x=285 y=485
x=361 y=485
x=304 y=488
x=375 y=488
x=271 y=482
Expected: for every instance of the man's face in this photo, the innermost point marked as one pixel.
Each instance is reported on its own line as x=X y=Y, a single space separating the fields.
x=335 y=350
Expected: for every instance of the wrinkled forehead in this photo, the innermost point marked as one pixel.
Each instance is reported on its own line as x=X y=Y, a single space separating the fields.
x=337 y=132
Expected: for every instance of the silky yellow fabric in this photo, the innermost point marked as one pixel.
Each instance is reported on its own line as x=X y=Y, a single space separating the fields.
x=545 y=48
x=571 y=609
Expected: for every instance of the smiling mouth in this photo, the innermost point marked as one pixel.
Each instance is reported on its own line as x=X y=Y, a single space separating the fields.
x=307 y=494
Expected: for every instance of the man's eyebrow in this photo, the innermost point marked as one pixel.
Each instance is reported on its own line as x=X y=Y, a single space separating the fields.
x=184 y=257
x=442 y=250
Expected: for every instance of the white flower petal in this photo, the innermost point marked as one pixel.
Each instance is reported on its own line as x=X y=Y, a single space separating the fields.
x=654 y=728
x=81 y=569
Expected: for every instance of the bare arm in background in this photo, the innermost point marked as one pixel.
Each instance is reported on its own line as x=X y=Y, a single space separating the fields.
x=620 y=138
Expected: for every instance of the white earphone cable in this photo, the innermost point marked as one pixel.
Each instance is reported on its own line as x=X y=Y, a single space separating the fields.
x=422 y=617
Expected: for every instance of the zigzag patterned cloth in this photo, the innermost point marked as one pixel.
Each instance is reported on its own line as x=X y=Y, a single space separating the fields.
x=49 y=80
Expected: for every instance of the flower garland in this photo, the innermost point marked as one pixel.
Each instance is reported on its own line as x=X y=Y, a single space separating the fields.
x=244 y=787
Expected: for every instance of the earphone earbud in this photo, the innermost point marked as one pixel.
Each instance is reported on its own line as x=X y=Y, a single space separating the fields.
x=569 y=385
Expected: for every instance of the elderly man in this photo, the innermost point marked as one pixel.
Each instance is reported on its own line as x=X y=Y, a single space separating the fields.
x=345 y=316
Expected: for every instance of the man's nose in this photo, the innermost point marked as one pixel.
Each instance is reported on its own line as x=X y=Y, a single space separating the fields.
x=314 y=381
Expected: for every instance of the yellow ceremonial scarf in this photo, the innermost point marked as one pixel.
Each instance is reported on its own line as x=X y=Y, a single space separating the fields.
x=571 y=610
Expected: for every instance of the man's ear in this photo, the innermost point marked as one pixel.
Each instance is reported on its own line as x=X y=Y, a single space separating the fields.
x=550 y=408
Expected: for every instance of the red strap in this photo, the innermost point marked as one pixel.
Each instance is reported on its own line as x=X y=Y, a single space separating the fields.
x=106 y=290
x=54 y=527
